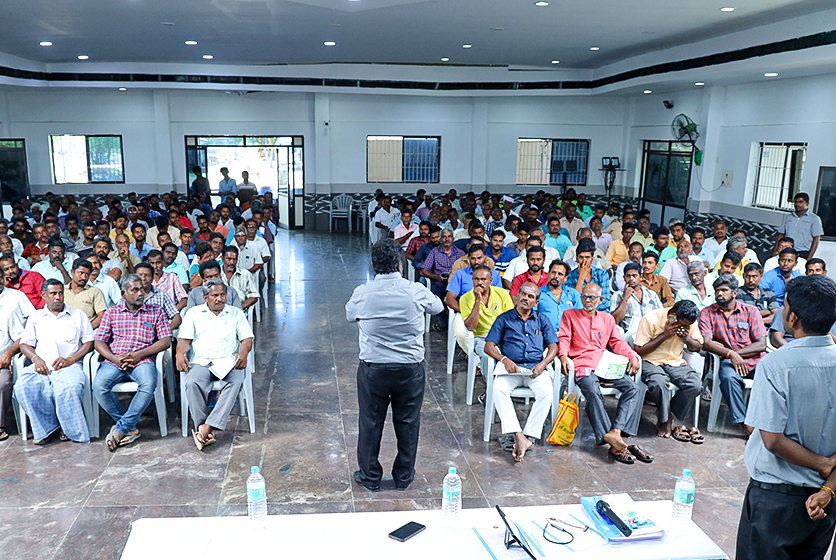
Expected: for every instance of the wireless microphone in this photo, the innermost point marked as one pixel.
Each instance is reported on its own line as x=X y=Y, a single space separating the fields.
x=607 y=512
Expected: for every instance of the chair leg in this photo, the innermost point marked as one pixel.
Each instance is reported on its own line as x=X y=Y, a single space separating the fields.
x=22 y=425
x=169 y=374
x=248 y=392
x=451 y=341
x=159 y=400
x=697 y=412
x=716 y=397
x=489 y=405
x=184 y=406
x=472 y=359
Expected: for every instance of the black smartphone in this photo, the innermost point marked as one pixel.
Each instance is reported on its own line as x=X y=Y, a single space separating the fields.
x=407 y=531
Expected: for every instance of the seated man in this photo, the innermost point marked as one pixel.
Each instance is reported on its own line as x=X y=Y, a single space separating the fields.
x=635 y=252
x=81 y=295
x=464 y=261
x=735 y=333
x=479 y=318
x=586 y=273
x=110 y=266
x=557 y=297
x=106 y=284
x=215 y=331
x=433 y=241
x=156 y=297
x=764 y=300
x=784 y=243
x=127 y=260
x=437 y=266
x=57 y=264
x=696 y=291
x=129 y=338
x=584 y=335
x=166 y=282
x=207 y=270
x=239 y=279
x=27 y=282
x=536 y=258
x=598 y=257
x=519 y=264
x=659 y=340
x=728 y=263
x=499 y=253
x=460 y=283
x=417 y=241
x=618 y=251
x=629 y=305
x=776 y=279
x=675 y=271
x=11 y=327
x=516 y=341
x=55 y=338
x=657 y=284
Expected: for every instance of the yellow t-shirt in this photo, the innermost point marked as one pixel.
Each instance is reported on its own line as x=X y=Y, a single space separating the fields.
x=668 y=353
x=499 y=301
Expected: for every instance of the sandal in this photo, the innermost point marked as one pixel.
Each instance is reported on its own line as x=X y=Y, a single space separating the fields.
x=62 y=436
x=482 y=398
x=706 y=395
x=640 y=453
x=681 y=433
x=3 y=434
x=198 y=440
x=696 y=436
x=210 y=440
x=506 y=443
x=128 y=439
x=111 y=440
x=622 y=456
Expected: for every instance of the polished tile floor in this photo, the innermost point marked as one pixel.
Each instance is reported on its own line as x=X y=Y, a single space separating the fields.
x=69 y=500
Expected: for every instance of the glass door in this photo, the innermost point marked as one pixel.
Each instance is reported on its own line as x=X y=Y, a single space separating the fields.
x=284 y=198
x=666 y=178
x=14 y=178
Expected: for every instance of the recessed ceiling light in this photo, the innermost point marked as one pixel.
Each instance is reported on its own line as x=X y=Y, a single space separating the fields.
x=727 y=9
x=699 y=83
x=444 y=59
x=497 y=29
x=123 y=89
x=770 y=74
x=208 y=56
x=168 y=23
x=595 y=48
x=541 y=4
x=46 y=43
x=555 y=62
x=191 y=43
x=648 y=91
x=329 y=43
x=83 y=57
x=467 y=46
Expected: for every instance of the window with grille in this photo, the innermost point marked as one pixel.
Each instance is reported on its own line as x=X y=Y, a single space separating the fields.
x=87 y=159
x=544 y=161
x=402 y=159
x=778 y=177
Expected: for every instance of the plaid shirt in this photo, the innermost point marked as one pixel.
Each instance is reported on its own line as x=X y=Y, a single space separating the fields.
x=126 y=332
x=31 y=284
x=170 y=284
x=635 y=309
x=414 y=244
x=162 y=299
x=741 y=328
x=439 y=262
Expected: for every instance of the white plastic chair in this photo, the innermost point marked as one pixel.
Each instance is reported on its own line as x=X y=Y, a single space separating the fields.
x=18 y=364
x=473 y=360
x=519 y=392
x=451 y=341
x=341 y=207
x=717 y=394
x=427 y=316
x=245 y=396
x=131 y=387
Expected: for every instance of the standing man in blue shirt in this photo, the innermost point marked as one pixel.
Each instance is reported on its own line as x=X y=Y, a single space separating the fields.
x=776 y=279
x=803 y=226
x=227 y=185
x=788 y=511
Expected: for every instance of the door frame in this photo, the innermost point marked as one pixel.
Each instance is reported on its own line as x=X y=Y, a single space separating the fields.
x=646 y=151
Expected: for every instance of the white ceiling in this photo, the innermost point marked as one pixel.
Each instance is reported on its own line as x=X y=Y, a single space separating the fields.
x=376 y=31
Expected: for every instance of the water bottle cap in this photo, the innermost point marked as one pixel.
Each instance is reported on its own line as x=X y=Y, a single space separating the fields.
x=687 y=472
x=452 y=470
x=254 y=470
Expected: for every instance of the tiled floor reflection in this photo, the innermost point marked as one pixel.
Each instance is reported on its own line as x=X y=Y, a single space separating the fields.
x=73 y=501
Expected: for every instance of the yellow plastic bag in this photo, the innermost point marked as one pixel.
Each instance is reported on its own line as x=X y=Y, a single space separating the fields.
x=563 y=431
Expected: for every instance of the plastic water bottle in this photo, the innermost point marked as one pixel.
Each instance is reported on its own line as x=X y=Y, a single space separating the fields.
x=451 y=502
x=257 y=499
x=683 y=497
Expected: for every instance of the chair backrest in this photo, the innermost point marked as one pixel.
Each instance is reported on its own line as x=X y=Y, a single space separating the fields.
x=342 y=202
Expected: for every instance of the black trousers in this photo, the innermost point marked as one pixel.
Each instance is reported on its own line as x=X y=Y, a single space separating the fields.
x=774 y=525
x=377 y=387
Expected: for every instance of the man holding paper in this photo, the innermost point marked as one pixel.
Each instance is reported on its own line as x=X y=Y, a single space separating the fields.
x=129 y=337
x=220 y=338
x=584 y=336
x=516 y=341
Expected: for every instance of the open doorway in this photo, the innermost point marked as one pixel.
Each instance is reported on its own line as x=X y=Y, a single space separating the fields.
x=274 y=163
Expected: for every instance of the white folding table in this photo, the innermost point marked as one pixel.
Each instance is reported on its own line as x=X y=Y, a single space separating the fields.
x=365 y=535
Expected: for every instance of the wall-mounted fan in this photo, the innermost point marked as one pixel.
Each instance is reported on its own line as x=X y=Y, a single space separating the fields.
x=684 y=129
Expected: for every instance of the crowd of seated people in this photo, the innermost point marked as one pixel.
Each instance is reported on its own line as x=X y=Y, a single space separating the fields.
x=669 y=299
x=130 y=279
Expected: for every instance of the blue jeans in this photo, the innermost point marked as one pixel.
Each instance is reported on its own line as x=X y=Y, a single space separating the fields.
x=731 y=385
x=145 y=376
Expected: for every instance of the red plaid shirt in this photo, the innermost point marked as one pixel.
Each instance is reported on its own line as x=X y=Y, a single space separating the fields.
x=414 y=244
x=169 y=284
x=33 y=249
x=743 y=327
x=127 y=332
x=30 y=284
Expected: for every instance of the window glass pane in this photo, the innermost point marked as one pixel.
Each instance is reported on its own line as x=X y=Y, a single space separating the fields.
x=11 y=143
x=679 y=175
x=780 y=168
x=533 y=161
x=420 y=160
x=269 y=140
x=572 y=158
x=69 y=159
x=656 y=176
x=659 y=146
x=682 y=147
x=105 y=159
x=384 y=159
x=220 y=141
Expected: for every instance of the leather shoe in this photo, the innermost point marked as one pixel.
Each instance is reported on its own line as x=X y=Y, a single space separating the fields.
x=367 y=485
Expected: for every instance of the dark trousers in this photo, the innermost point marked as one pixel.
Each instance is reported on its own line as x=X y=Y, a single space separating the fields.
x=5 y=395
x=774 y=525
x=440 y=290
x=377 y=387
x=804 y=254
x=687 y=381
x=628 y=405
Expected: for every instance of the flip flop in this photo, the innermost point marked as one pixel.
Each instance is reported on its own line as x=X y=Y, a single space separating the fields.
x=506 y=443
x=62 y=436
x=3 y=435
x=640 y=454
x=198 y=440
x=128 y=439
x=111 y=440
x=706 y=395
x=210 y=440
x=622 y=456
x=696 y=437
x=681 y=433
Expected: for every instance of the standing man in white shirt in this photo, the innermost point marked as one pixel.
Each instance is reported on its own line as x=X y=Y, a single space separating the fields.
x=382 y=219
